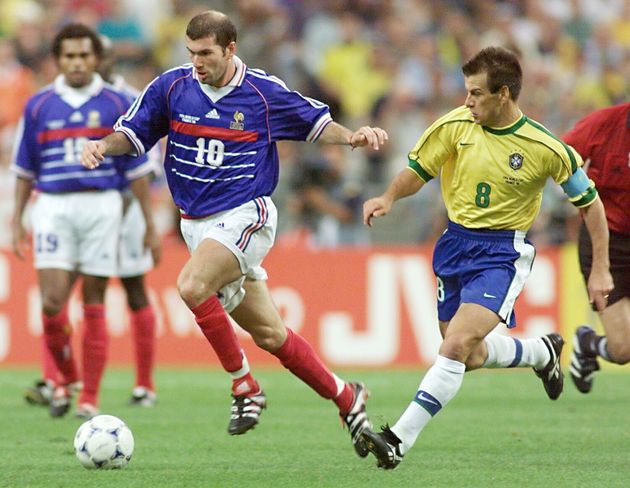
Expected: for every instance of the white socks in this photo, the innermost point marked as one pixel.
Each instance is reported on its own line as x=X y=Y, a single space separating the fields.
x=509 y=352
x=438 y=386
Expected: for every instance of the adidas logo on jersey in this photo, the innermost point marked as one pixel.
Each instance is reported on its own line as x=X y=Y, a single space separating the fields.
x=76 y=117
x=213 y=114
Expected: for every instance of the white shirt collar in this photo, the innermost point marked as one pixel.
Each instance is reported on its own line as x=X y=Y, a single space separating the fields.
x=215 y=94
x=75 y=97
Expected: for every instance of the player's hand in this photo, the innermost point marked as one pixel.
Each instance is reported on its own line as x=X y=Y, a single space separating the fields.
x=369 y=136
x=19 y=240
x=153 y=243
x=376 y=207
x=600 y=284
x=93 y=153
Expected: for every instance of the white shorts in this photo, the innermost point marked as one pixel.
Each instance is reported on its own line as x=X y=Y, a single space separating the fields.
x=248 y=231
x=133 y=259
x=77 y=231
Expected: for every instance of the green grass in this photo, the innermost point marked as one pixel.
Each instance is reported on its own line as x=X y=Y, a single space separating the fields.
x=500 y=430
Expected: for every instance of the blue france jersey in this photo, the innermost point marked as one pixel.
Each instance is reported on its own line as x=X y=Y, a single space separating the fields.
x=221 y=150
x=57 y=121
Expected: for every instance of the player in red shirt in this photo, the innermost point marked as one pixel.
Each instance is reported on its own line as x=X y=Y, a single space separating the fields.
x=603 y=140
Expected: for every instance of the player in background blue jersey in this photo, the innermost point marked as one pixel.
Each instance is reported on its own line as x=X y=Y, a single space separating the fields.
x=134 y=261
x=222 y=120
x=77 y=214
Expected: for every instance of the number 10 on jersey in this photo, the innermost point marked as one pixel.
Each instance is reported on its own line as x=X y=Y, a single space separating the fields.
x=209 y=151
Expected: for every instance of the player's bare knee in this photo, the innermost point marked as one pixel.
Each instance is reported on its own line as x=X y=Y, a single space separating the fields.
x=455 y=348
x=474 y=361
x=269 y=338
x=193 y=292
x=52 y=304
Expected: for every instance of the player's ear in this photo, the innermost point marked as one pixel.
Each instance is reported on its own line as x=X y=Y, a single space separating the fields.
x=231 y=48
x=504 y=93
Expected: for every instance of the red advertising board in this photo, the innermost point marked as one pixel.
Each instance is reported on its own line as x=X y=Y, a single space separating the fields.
x=356 y=306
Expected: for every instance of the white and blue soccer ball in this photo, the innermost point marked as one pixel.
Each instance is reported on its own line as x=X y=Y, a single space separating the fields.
x=104 y=442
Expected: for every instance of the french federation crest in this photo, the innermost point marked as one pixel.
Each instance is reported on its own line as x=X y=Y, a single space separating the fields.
x=516 y=160
x=238 y=124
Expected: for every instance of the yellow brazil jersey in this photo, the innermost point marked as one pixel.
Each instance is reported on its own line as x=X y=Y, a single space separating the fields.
x=492 y=178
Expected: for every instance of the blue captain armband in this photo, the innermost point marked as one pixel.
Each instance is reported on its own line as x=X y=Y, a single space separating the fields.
x=580 y=190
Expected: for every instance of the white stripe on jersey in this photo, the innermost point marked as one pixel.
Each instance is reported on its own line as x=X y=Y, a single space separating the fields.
x=19 y=134
x=210 y=180
x=59 y=163
x=139 y=147
x=204 y=165
x=264 y=76
x=319 y=126
x=247 y=153
x=51 y=151
x=21 y=172
x=79 y=174
x=136 y=104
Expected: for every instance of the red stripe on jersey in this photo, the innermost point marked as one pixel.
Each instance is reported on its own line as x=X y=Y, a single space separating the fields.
x=214 y=132
x=57 y=134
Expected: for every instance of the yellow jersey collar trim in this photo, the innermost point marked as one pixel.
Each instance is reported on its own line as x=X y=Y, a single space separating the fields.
x=508 y=130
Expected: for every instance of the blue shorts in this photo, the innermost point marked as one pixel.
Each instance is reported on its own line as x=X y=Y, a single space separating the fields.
x=486 y=267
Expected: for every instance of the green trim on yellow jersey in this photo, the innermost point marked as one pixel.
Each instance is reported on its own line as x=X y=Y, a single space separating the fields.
x=509 y=130
x=586 y=198
x=416 y=168
x=574 y=165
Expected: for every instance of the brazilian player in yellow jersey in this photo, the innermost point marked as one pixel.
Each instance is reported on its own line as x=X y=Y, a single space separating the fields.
x=493 y=162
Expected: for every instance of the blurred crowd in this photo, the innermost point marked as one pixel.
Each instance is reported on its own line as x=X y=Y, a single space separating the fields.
x=391 y=63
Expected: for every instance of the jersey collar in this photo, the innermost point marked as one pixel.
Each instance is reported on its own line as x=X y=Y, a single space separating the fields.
x=215 y=94
x=507 y=130
x=75 y=97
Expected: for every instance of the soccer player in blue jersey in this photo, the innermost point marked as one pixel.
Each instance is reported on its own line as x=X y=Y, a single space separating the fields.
x=493 y=162
x=77 y=213
x=134 y=261
x=222 y=120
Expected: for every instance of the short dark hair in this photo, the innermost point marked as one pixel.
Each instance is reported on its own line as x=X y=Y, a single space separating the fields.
x=77 y=31
x=501 y=66
x=212 y=23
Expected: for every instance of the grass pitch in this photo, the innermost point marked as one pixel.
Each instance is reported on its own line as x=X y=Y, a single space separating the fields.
x=499 y=431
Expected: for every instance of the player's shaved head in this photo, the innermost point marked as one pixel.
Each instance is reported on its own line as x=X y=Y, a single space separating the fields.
x=501 y=66
x=212 y=23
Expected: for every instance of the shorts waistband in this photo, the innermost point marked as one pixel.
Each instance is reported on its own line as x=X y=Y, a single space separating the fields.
x=485 y=234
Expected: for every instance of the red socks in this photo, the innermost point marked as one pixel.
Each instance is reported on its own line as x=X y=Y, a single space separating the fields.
x=57 y=335
x=143 y=330
x=298 y=356
x=49 y=367
x=216 y=326
x=95 y=341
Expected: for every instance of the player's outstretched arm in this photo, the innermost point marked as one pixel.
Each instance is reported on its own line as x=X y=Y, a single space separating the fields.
x=335 y=133
x=404 y=184
x=141 y=189
x=19 y=240
x=114 y=144
x=600 y=282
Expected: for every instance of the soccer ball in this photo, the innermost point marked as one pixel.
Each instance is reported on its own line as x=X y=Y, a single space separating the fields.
x=103 y=442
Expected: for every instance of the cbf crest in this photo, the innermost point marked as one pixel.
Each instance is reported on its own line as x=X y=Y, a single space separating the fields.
x=516 y=160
